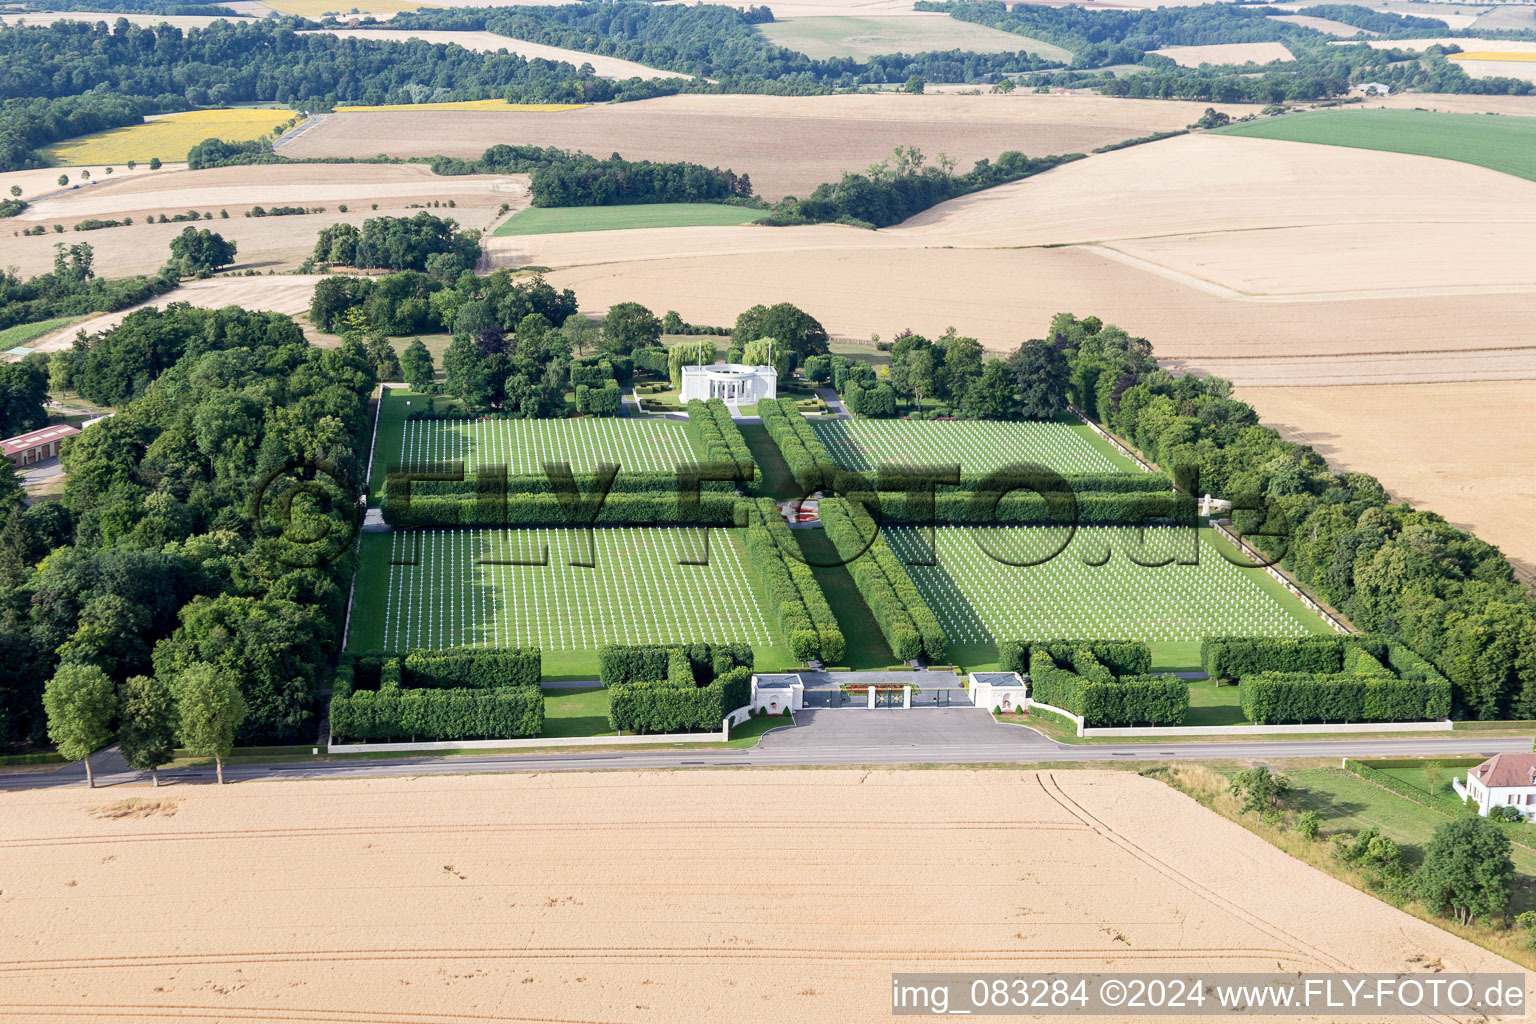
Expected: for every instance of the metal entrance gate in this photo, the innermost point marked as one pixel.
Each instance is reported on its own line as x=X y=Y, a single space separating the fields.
x=889 y=698
x=941 y=697
x=828 y=698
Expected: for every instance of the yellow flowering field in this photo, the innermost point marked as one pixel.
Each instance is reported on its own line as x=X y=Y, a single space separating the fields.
x=167 y=137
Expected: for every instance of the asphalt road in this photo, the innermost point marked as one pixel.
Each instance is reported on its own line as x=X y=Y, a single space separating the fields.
x=840 y=738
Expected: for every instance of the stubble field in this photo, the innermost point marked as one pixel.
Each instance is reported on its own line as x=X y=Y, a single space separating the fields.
x=748 y=134
x=265 y=243
x=490 y=42
x=574 y=897
x=1462 y=450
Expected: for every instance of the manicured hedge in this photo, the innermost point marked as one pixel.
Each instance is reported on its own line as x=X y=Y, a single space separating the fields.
x=651 y=360
x=629 y=663
x=807 y=458
x=713 y=508
x=789 y=587
x=1280 y=697
x=600 y=400
x=892 y=478
x=665 y=705
x=910 y=627
x=1121 y=657
x=1233 y=657
x=1090 y=668
x=473 y=667
x=1105 y=700
x=961 y=508
x=393 y=714
x=722 y=440
x=642 y=482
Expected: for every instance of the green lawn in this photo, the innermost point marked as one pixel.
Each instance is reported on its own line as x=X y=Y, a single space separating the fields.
x=1347 y=803
x=523 y=446
x=749 y=732
x=450 y=588
x=562 y=219
x=11 y=337
x=1497 y=141
x=1068 y=445
x=862 y=38
x=980 y=598
x=865 y=646
x=576 y=711
x=1210 y=704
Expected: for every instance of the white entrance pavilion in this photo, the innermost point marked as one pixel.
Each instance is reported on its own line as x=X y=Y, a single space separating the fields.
x=734 y=383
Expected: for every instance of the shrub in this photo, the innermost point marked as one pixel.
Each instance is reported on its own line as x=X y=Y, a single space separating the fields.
x=789 y=587
x=460 y=714
x=676 y=703
x=1121 y=657
x=473 y=667
x=629 y=663
x=1273 y=697
x=1232 y=657
x=910 y=627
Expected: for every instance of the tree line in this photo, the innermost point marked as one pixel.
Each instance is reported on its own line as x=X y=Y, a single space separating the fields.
x=904 y=185
x=70 y=78
x=1390 y=568
x=154 y=563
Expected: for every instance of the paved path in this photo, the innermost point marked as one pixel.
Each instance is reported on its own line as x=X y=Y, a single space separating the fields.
x=902 y=738
x=833 y=402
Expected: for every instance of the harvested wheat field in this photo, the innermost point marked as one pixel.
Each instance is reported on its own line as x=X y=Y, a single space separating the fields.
x=746 y=133
x=490 y=42
x=1516 y=65
x=288 y=293
x=41 y=181
x=265 y=243
x=1462 y=450
x=1457 y=103
x=1226 y=53
x=1214 y=246
x=637 y=897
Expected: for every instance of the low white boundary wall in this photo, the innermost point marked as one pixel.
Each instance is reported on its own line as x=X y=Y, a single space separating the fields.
x=538 y=741
x=1281 y=578
x=1030 y=702
x=1265 y=730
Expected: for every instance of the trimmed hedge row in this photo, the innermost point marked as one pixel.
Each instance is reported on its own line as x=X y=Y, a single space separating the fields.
x=631 y=663
x=722 y=440
x=645 y=482
x=1233 y=657
x=473 y=667
x=893 y=478
x=1276 y=697
x=807 y=458
x=665 y=705
x=599 y=400
x=1121 y=657
x=713 y=508
x=909 y=625
x=503 y=712
x=790 y=588
x=1103 y=699
x=959 y=507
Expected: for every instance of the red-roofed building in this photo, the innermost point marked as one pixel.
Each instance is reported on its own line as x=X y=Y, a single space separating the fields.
x=36 y=445
x=1504 y=780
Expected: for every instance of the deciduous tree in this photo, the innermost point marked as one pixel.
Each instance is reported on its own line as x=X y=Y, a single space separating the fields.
x=79 y=701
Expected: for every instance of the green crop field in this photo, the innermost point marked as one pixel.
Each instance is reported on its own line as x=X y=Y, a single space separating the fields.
x=980 y=598
x=557 y=220
x=862 y=38
x=460 y=589
x=975 y=446
x=12 y=337
x=1494 y=141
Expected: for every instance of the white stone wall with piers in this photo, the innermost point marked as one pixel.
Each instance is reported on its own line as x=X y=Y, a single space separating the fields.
x=732 y=383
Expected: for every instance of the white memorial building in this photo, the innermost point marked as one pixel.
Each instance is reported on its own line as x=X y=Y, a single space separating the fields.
x=731 y=382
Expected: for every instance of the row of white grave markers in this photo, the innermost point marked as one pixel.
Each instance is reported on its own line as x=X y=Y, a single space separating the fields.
x=462 y=591
x=975 y=446
x=524 y=446
x=977 y=598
